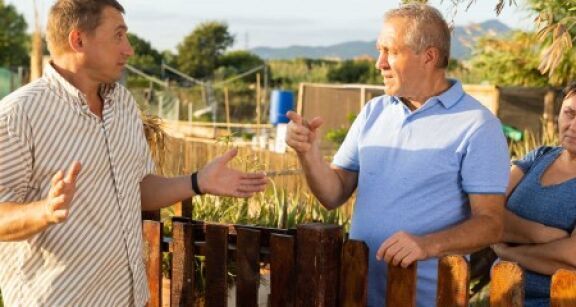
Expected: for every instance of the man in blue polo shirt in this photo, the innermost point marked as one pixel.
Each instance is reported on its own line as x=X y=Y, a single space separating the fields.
x=429 y=161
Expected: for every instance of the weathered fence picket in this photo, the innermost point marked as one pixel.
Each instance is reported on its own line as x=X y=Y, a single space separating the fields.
x=217 y=265
x=182 y=281
x=318 y=249
x=563 y=289
x=453 y=281
x=152 y=233
x=282 y=270
x=248 y=265
x=354 y=274
x=401 y=286
x=507 y=285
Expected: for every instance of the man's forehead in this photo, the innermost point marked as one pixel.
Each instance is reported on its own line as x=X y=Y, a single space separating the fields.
x=389 y=34
x=113 y=17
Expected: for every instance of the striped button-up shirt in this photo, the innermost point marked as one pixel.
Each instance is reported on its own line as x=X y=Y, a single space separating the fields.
x=95 y=257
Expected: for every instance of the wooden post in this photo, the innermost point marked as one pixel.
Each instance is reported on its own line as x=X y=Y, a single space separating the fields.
x=300 y=106
x=453 y=281
x=563 y=289
x=318 y=261
x=549 y=114
x=401 y=286
x=227 y=106
x=36 y=55
x=354 y=274
x=217 y=265
x=190 y=111
x=182 y=284
x=152 y=232
x=258 y=115
x=362 y=96
x=248 y=264
x=282 y=270
x=177 y=103
x=187 y=207
x=507 y=285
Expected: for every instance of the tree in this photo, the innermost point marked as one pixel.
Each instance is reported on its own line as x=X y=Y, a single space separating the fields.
x=145 y=57
x=351 y=71
x=510 y=60
x=237 y=62
x=13 y=38
x=143 y=47
x=556 y=28
x=199 y=52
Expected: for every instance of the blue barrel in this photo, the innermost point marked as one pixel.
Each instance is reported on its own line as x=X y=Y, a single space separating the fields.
x=280 y=102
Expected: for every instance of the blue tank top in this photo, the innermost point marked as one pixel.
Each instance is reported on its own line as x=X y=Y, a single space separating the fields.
x=552 y=205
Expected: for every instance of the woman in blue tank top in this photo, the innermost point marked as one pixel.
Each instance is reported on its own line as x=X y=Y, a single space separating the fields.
x=541 y=209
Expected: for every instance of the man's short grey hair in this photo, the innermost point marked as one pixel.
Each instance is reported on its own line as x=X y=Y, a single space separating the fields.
x=425 y=28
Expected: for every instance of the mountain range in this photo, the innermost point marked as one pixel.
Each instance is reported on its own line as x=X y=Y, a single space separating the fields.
x=463 y=38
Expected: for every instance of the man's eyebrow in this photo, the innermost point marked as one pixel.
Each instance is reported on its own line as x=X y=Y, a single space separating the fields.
x=122 y=27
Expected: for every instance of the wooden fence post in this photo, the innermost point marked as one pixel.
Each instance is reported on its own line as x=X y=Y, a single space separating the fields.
x=453 y=281
x=282 y=270
x=563 y=289
x=319 y=249
x=401 y=286
x=182 y=283
x=507 y=285
x=152 y=232
x=248 y=264
x=354 y=274
x=216 y=265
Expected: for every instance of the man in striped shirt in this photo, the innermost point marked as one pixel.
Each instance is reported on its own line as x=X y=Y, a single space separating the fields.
x=76 y=171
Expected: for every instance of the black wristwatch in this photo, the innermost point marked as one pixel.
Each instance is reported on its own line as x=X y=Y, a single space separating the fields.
x=194 y=180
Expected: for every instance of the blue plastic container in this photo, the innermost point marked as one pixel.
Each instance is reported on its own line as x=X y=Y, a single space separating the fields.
x=280 y=103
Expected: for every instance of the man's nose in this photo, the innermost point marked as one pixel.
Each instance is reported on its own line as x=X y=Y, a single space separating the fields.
x=382 y=61
x=128 y=51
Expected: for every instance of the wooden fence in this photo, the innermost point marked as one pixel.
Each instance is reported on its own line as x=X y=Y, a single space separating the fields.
x=309 y=266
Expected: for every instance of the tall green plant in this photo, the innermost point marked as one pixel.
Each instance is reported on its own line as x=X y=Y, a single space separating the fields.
x=531 y=141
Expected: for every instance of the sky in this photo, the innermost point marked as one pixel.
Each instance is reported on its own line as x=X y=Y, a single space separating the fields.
x=274 y=23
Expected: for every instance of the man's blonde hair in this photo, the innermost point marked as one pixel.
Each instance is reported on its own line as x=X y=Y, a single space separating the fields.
x=68 y=15
x=425 y=28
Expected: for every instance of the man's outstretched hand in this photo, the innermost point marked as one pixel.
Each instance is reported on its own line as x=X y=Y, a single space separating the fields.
x=302 y=136
x=217 y=178
x=62 y=190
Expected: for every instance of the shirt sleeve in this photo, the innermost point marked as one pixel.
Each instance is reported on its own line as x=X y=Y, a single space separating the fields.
x=528 y=160
x=485 y=164
x=347 y=156
x=15 y=157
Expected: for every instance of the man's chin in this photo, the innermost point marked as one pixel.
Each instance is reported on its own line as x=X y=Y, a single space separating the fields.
x=390 y=91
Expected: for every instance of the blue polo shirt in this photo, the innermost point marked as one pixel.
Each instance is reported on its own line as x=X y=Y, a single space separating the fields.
x=415 y=171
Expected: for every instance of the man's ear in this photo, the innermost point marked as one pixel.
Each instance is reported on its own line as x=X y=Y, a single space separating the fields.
x=75 y=40
x=432 y=56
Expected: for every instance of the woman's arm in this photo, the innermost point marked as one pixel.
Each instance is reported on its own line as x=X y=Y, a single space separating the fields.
x=544 y=258
x=520 y=230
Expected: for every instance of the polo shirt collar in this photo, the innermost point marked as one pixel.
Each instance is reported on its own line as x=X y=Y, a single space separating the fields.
x=448 y=99
x=451 y=96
